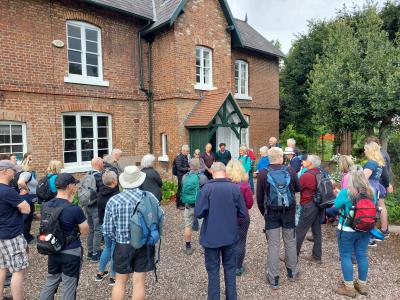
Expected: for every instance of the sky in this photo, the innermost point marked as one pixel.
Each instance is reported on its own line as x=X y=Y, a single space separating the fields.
x=283 y=19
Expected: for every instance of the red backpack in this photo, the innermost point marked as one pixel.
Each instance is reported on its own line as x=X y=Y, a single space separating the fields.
x=362 y=215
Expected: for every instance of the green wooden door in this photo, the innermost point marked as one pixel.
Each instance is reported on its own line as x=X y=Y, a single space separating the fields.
x=198 y=138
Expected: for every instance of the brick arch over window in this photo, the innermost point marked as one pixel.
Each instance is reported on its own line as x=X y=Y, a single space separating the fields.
x=84 y=17
x=88 y=107
x=12 y=116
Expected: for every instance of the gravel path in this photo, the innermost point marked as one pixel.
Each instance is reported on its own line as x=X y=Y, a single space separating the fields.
x=182 y=277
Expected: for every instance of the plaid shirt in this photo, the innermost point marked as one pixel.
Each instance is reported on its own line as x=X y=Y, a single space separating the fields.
x=118 y=215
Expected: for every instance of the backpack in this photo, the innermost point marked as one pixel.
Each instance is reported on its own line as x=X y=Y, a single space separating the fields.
x=324 y=195
x=190 y=188
x=51 y=238
x=43 y=189
x=14 y=182
x=362 y=215
x=280 y=196
x=87 y=191
x=174 y=168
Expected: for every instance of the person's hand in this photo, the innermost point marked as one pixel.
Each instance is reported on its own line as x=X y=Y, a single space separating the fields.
x=389 y=189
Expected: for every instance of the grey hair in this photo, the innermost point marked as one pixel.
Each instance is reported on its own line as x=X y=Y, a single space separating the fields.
x=108 y=159
x=147 y=161
x=243 y=147
x=197 y=151
x=358 y=182
x=108 y=177
x=291 y=141
x=194 y=164
x=274 y=154
x=185 y=147
x=264 y=149
x=218 y=167
x=115 y=151
x=314 y=160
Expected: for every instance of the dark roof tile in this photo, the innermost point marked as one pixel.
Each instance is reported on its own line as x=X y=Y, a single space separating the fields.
x=140 y=8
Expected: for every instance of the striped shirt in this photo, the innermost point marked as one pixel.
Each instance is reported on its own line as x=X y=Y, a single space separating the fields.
x=118 y=215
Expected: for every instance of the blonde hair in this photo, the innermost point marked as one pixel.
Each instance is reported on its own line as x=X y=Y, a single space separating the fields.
x=373 y=152
x=236 y=172
x=358 y=182
x=54 y=167
x=26 y=165
x=345 y=163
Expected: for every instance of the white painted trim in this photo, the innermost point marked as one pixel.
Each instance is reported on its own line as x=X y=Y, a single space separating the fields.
x=164 y=158
x=24 y=136
x=243 y=97
x=202 y=87
x=77 y=169
x=238 y=65
x=207 y=87
x=86 y=80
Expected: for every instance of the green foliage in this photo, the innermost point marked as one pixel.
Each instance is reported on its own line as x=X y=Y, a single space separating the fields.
x=392 y=203
x=291 y=132
x=75 y=200
x=169 y=190
x=390 y=15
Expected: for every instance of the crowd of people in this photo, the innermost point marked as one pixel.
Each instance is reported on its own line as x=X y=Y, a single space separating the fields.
x=215 y=192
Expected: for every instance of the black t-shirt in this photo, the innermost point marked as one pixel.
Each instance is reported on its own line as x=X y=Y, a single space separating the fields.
x=11 y=219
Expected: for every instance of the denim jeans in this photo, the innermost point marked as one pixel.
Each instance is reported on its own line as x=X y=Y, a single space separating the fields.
x=212 y=259
x=94 y=238
x=107 y=256
x=349 y=243
x=251 y=180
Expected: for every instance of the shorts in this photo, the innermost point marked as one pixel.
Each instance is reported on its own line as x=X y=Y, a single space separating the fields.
x=13 y=254
x=188 y=216
x=130 y=260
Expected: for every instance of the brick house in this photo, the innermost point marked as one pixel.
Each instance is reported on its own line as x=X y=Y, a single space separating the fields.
x=78 y=78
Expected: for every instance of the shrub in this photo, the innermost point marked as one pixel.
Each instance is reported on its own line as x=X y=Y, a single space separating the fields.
x=169 y=189
x=393 y=207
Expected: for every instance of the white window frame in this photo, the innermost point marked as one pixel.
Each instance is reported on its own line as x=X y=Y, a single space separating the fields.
x=202 y=85
x=84 y=79
x=80 y=166
x=238 y=88
x=24 y=139
x=164 y=148
x=247 y=130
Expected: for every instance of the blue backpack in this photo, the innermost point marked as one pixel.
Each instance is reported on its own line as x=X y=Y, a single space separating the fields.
x=280 y=196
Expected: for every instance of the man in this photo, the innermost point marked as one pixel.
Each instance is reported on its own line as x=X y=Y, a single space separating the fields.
x=278 y=216
x=116 y=155
x=192 y=183
x=117 y=220
x=13 y=256
x=13 y=158
x=273 y=142
x=292 y=144
x=108 y=162
x=182 y=167
x=208 y=157
x=220 y=203
x=65 y=266
x=223 y=155
x=92 y=213
x=310 y=214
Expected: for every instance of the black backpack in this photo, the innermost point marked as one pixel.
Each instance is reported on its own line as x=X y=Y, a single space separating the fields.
x=174 y=168
x=324 y=196
x=43 y=189
x=51 y=237
x=14 y=182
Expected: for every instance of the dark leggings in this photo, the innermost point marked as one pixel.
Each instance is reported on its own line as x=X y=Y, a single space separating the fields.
x=29 y=218
x=240 y=247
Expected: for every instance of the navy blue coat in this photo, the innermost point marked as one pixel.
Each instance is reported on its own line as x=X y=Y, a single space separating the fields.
x=220 y=203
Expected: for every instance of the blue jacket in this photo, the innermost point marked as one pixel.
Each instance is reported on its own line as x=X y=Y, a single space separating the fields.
x=220 y=203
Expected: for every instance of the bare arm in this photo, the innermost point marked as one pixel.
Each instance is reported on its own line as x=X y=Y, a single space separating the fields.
x=23 y=185
x=24 y=208
x=83 y=228
x=367 y=173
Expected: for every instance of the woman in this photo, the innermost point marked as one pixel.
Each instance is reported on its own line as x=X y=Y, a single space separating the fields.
x=351 y=241
x=238 y=175
x=27 y=184
x=373 y=171
x=264 y=161
x=197 y=154
x=208 y=157
x=53 y=170
x=153 y=182
x=246 y=162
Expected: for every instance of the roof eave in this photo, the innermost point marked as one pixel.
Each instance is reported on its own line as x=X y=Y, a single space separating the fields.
x=110 y=7
x=231 y=22
x=263 y=52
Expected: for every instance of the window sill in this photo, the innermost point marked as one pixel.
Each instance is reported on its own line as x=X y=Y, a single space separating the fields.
x=163 y=158
x=77 y=169
x=243 y=97
x=204 y=87
x=86 y=81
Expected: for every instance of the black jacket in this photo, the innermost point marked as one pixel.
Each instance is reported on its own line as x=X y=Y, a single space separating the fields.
x=110 y=167
x=103 y=196
x=182 y=164
x=152 y=183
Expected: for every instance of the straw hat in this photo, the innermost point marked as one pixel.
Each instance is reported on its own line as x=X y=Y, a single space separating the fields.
x=132 y=177
x=288 y=150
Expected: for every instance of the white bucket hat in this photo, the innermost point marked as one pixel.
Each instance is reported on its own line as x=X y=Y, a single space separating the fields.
x=132 y=177
x=288 y=150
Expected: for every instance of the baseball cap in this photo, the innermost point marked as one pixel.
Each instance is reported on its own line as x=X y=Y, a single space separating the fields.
x=64 y=179
x=8 y=164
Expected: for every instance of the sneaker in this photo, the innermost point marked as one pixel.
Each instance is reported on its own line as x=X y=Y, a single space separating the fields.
x=89 y=256
x=101 y=276
x=385 y=233
x=189 y=251
x=372 y=244
x=293 y=277
x=274 y=285
x=111 y=282
x=239 y=271
x=95 y=257
x=313 y=259
x=361 y=288
x=345 y=291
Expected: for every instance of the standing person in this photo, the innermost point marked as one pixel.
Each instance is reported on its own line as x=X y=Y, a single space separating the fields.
x=208 y=157
x=197 y=155
x=116 y=155
x=109 y=164
x=292 y=144
x=65 y=266
x=264 y=161
x=117 y=220
x=273 y=142
x=92 y=213
x=153 y=182
x=350 y=241
x=182 y=167
x=108 y=190
x=310 y=214
x=293 y=160
x=250 y=153
x=236 y=173
x=246 y=162
x=223 y=155
x=192 y=182
x=53 y=170
x=278 y=215
x=219 y=204
x=13 y=256
x=27 y=184
x=13 y=158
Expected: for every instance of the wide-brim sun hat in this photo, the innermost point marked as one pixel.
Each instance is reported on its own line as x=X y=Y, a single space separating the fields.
x=288 y=150
x=132 y=177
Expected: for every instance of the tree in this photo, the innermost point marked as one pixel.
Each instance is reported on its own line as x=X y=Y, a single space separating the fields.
x=390 y=15
x=355 y=84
